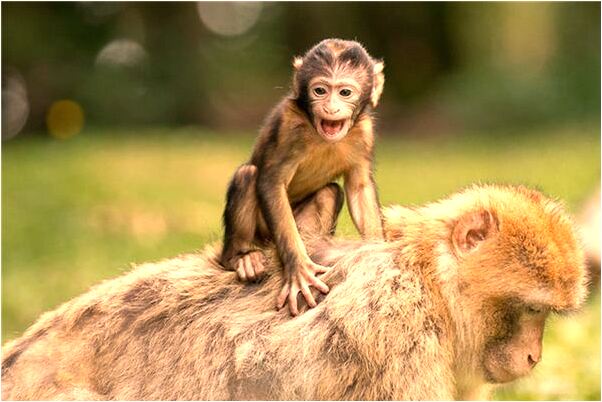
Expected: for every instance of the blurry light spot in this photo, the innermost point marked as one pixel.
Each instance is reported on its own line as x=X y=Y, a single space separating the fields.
x=98 y=12
x=65 y=119
x=15 y=107
x=233 y=18
x=121 y=52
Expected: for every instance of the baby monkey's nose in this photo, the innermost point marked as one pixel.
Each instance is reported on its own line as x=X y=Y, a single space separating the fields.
x=331 y=109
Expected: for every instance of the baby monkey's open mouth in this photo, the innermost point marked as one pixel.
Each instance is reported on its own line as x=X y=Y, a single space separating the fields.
x=332 y=129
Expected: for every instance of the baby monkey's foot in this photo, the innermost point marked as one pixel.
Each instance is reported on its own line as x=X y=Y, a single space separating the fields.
x=249 y=266
x=299 y=279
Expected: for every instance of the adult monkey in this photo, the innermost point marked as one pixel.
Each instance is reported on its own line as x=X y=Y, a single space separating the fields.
x=455 y=301
x=321 y=131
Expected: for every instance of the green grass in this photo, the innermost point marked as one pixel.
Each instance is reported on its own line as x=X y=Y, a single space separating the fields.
x=78 y=211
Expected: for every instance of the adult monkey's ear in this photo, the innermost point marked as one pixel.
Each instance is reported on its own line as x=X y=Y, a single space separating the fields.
x=471 y=230
x=297 y=63
x=379 y=82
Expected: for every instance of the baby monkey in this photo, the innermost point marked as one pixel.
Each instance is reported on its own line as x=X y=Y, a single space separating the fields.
x=320 y=131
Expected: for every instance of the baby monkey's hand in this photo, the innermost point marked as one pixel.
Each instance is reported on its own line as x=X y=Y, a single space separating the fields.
x=299 y=279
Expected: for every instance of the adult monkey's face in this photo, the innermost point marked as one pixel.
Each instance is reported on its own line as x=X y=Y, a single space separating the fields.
x=334 y=83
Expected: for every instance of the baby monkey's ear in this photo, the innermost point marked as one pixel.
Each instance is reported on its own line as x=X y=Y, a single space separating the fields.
x=297 y=62
x=379 y=82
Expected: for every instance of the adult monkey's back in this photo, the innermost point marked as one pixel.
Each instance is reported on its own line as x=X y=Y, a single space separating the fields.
x=455 y=300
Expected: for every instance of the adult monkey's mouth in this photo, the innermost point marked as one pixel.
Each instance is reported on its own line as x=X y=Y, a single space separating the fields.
x=333 y=130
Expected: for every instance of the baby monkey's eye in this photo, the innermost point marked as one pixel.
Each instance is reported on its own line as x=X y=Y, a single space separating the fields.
x=319 y=90
x=345 y=92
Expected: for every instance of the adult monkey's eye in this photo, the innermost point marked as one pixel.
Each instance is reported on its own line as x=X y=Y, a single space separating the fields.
x=319 y=90
x=534 y=309
x=345 y=92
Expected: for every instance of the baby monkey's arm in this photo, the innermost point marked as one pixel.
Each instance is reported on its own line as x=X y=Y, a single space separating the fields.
x=299 y=271
x=362 y=200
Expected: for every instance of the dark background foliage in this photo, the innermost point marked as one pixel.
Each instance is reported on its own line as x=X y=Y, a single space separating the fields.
x=449 y=65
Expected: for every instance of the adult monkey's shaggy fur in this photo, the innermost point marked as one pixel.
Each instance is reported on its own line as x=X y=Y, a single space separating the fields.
x=454 y=300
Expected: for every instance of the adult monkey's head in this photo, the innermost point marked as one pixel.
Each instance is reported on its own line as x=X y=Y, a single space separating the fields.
x=334 y=83
x=506 y=259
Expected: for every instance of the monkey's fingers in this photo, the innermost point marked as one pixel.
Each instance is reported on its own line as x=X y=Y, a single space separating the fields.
x=318 y=284
x=240 y=270
x=308 y=296
x=320 y=269
x=258 y=263
x=249 y=270
x=292 y=300
x=281 y=299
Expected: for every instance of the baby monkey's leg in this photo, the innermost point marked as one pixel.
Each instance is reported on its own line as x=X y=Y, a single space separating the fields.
x=241 y=215
x=316 y=216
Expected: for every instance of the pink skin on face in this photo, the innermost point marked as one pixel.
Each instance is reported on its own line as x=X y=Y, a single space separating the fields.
x=333 y=102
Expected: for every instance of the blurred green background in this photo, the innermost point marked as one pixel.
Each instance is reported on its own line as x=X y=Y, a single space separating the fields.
x=122 y=122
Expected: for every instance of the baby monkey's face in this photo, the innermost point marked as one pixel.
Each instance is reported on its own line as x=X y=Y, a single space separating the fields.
x=333 y=100
x=333 y=84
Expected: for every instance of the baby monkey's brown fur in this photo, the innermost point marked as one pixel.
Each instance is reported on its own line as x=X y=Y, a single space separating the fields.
x=320 y=131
